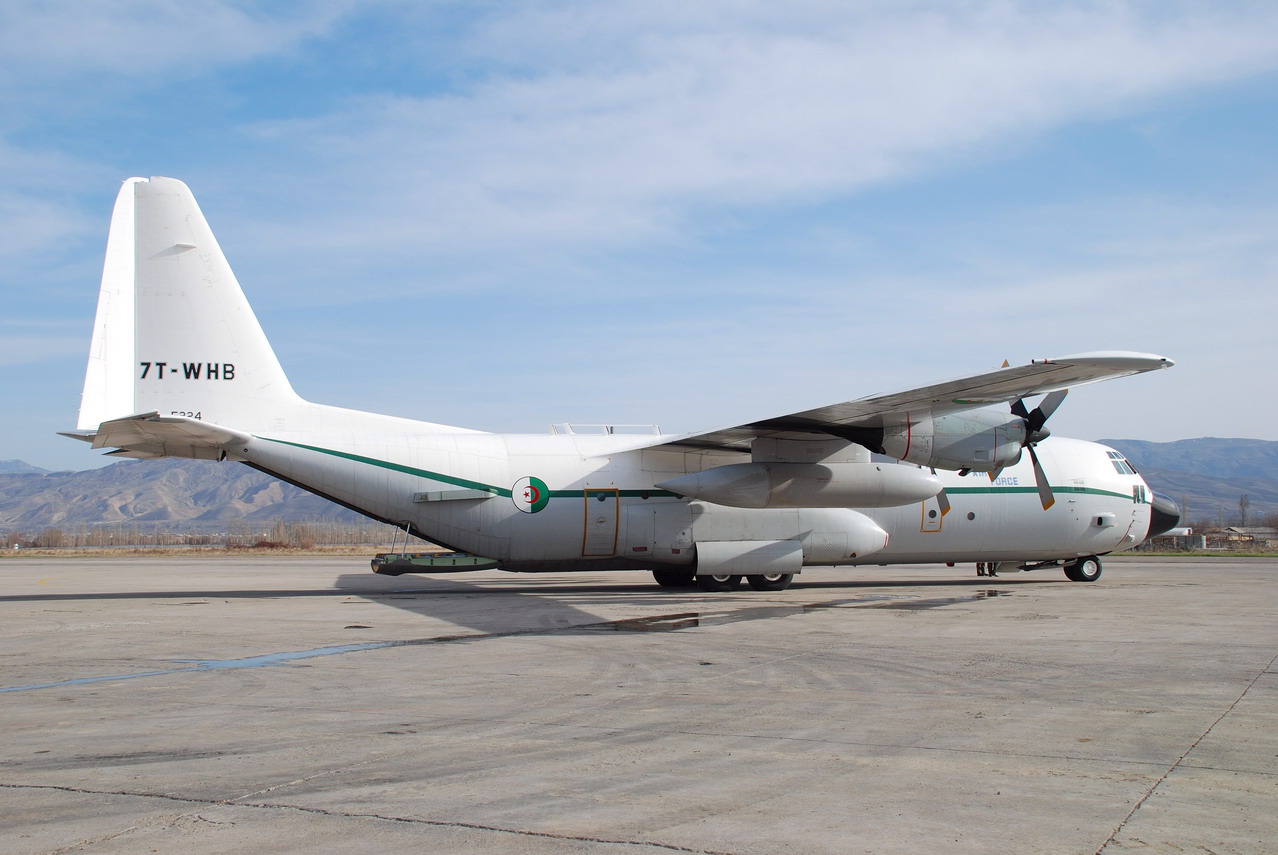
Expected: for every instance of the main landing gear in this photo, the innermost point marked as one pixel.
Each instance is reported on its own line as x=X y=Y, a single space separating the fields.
x=721 y=584
x=771 y=581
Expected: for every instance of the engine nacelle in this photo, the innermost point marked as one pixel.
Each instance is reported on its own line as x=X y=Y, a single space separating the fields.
x=982 y=441
x=808 y=485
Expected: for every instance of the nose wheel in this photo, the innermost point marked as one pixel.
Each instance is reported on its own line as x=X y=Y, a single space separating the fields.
x=1084 y=569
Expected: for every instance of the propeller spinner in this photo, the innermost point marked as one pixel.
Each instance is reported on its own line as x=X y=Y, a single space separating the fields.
x=1035 y=433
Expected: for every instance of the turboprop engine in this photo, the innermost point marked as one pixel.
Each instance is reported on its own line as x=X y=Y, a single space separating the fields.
x=981 y=441
x=808 y=485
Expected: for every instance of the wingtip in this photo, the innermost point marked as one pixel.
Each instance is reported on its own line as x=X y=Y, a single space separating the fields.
x=1115 y=359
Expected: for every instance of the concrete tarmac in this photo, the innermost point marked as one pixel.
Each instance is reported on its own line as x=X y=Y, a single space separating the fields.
x=304 y=705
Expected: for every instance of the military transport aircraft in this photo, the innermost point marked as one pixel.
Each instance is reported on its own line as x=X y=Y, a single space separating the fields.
x=961 y=471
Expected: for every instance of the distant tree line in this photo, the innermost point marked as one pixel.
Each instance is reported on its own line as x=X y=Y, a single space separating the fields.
x=230 y=535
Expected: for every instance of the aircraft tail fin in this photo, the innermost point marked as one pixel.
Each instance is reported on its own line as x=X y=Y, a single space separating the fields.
x=174 y=336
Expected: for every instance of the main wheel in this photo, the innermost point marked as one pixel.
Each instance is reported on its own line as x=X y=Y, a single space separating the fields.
x=718 y=584
x=1084 y=569
x=771 y=581
x=674 y=578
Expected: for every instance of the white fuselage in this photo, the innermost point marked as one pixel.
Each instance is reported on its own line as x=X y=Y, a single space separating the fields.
x=600 y=508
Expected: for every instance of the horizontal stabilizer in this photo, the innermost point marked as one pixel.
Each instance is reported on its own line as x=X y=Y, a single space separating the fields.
x=150 y=435
x=82 y=435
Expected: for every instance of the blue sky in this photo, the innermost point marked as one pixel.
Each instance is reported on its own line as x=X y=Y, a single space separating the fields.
x=502 y=215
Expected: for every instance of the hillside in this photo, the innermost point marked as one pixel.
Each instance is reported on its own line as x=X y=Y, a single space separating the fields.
x=156 y=491
x=19 y=467
x=1208 y=475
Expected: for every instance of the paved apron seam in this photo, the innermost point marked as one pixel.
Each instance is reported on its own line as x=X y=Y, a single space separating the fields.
x=1181 y=758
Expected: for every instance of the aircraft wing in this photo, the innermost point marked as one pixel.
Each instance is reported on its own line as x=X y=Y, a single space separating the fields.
x=148 y=435
x=996 y=387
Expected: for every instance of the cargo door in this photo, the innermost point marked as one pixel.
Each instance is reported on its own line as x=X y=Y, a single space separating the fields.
x=601 y=508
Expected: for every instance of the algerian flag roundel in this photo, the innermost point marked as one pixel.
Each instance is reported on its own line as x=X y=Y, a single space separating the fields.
x=530 y=494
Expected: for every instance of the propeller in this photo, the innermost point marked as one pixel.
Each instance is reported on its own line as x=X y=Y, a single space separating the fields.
x=1036 y=433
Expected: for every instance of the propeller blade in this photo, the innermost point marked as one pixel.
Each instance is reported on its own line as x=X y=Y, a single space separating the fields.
x=1018 y=408
x=944 y=501
x=1041 y=413
x=1040 y=477
x=1049 y=404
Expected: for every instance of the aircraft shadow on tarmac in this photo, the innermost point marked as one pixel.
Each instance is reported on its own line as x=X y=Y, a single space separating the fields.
x=492 y=606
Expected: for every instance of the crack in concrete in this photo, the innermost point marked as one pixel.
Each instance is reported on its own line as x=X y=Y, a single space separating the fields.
x=438 y=823
x=1181 y=759
x=103 y=838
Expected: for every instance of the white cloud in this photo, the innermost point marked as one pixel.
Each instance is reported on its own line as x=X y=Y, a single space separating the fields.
x=632 y=122
x=46 y=42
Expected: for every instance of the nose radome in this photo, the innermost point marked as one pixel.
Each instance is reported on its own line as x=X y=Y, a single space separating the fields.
x=1164 y=516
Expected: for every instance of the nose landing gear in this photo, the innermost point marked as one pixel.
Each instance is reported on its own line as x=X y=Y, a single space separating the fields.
x=1086 y=569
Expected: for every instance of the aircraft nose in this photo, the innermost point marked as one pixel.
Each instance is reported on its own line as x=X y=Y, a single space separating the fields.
x=1163 y=516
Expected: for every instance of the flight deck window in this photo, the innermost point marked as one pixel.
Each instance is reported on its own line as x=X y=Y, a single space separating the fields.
x=1121 y=466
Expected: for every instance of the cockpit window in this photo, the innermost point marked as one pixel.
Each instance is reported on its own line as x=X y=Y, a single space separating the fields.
x=1120 y=464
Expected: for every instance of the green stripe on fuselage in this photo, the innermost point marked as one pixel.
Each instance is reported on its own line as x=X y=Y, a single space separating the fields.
x=1091 y=491
x=396 y=467
x=462 y=482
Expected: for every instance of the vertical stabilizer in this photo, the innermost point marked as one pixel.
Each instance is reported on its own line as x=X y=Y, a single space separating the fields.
x=174 y=333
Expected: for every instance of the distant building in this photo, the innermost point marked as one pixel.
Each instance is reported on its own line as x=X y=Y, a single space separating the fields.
x=1235 y=538
x=1242 y=537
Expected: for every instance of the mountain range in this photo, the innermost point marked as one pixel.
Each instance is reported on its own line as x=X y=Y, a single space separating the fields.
x=196 y=492
x=1205 y=476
